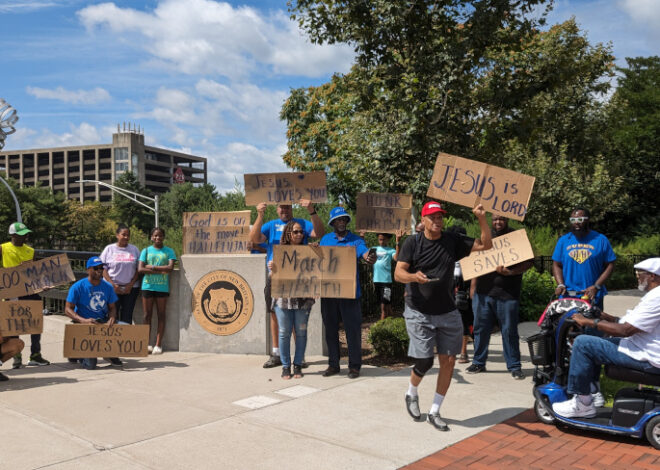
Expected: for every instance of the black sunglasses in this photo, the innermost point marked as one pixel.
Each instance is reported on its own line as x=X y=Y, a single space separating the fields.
x=97 y=268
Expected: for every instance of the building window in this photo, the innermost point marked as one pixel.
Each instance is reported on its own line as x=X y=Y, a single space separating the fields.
x=121 y=154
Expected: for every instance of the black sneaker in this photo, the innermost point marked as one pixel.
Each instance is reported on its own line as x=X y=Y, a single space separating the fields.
x=412 y=406
x=3 y=377
x=518 y=374
x=273 y=361
x=475 y=369
x=115 y=361
x=436 y=421
x=18 y=361
x=38 y=360
x=330 y=371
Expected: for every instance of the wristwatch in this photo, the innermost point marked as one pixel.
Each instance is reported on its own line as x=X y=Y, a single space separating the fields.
x=597 y=286
x=596 y=321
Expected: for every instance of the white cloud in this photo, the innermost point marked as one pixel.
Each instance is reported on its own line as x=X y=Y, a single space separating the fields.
x=83 y=134
x=211 y=37
x=95 y=96
x=646 y=13
x=22 y=7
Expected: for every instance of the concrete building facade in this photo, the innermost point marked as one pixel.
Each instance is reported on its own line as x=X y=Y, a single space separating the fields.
x=59 y=168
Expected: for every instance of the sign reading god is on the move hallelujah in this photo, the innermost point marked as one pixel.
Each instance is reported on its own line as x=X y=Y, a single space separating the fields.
x=285 y=188
x=468 y=183
x=309 y=271
x=216 y=232
x=35 y=276
x=99 y=340
x=21 y=317
x=383 y=212
x=507 y=250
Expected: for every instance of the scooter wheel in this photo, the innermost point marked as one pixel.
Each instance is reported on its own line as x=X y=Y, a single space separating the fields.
x=653 y=431
x=542 y=414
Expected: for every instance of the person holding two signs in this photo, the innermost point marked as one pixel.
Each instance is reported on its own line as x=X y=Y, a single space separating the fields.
x=426 y=265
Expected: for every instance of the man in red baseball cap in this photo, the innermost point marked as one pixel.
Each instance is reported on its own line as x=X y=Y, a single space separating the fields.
x=426 y=265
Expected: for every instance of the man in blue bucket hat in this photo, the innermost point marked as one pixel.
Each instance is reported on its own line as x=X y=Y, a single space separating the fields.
x=347 y=310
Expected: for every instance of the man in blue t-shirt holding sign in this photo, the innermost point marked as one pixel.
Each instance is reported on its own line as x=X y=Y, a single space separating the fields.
x=583 y=260
x=270 y=233
x=92 y=300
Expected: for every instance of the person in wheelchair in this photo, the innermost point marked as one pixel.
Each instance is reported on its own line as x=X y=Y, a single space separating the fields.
x=633 y=341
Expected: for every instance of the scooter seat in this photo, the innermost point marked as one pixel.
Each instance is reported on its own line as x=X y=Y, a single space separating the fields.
x=632 y=375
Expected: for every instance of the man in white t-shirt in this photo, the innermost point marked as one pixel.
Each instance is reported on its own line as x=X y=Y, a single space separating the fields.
x=634 y=343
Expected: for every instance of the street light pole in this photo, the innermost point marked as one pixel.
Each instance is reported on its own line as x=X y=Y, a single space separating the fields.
x=8 y=118
x=133 y=196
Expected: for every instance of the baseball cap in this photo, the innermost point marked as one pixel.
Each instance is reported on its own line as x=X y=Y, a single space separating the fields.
x=651 y=265
x=94 y=261
x=432 y=207
x=338 y=212
x=19 y=228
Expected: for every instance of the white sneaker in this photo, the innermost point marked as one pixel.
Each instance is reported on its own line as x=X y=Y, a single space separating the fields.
x=574 y=408
x=157 y=350
x=598 y=399
x=150 y=348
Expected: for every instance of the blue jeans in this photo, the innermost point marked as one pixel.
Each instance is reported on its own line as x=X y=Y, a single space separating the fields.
x=589 y=353
x=487 y=310
x=288 y=319
x=350 y=312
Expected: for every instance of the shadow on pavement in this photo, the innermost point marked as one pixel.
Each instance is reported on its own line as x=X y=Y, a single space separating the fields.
x=23 y=382
x=488 y=419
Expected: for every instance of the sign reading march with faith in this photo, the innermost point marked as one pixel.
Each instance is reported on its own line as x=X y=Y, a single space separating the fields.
x=21 y=317
x=35 y=276
x=468 y=183
x=507 y=250
x=97 y=340
x=285 y=188
x=216 y=232
x=308 y=271
x=383 y=213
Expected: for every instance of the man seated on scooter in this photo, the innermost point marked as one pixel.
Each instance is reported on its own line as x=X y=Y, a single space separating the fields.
x=633 y=342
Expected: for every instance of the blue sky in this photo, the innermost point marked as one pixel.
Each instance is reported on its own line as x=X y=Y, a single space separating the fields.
x=201 y=76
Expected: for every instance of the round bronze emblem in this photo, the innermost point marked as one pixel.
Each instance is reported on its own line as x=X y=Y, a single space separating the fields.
x=222 y=302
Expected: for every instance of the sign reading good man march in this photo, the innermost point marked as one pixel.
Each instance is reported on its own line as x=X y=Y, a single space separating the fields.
x=507 y=250
x=21 y=317
x=98 y=340
x=468 y=183
x=383 y=213
x=216 y=232
x=35 y=276
x=308 y=271
x=285 y=188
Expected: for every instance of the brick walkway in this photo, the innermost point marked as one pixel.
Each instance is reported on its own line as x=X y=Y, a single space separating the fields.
x=523 y=442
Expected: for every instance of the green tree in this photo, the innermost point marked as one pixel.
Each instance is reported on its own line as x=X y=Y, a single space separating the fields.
x=633 y=142
x=127 y=211
x=186 y=198
x=87 y=226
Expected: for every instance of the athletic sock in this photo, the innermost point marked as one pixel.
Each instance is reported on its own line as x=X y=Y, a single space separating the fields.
x=412 y=390
x=437 y=401
x=585 y=399
x=276 y=352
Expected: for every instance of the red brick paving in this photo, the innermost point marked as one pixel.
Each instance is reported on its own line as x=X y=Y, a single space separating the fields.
x=523 y=442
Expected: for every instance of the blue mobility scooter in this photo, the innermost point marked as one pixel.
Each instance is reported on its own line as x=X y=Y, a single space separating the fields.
x=636 y=411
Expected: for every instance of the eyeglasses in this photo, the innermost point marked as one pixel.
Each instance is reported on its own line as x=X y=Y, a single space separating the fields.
x=297 y=232
x=577 y=220
x=97 y=268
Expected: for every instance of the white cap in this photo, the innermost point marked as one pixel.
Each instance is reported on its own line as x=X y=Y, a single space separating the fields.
x=651 y=265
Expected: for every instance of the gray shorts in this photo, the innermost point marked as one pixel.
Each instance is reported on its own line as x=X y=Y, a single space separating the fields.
x=426 y=331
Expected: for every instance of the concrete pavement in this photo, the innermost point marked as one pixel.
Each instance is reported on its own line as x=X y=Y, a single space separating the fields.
x=199 y=410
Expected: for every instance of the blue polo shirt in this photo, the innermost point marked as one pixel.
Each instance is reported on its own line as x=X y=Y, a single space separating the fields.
x=273 y=229
x=331 y=239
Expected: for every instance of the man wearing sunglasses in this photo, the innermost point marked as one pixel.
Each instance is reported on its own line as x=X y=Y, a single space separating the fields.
x=583 y=260
x=92 y=300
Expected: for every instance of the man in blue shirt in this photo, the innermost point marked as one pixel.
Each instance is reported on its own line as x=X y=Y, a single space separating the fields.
x=346 y=310
x=92 y=300
x=583 y=260
x=270 y=233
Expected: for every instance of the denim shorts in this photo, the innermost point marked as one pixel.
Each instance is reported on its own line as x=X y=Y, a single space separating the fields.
x=445 y=332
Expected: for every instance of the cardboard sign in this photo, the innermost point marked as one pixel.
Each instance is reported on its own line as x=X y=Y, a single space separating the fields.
x=285 y=188
x=383 y=212
x=216 y=232
x=509 y=249
x=21 y=317
x=105 y=341
x=468 y=183
x=35 y=276
x=307 y=271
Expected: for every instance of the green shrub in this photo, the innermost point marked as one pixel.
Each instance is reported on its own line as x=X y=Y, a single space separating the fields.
x=647 y=245
x=543 y=240
x=389 y=337
x=537 y=290
x=623 y=276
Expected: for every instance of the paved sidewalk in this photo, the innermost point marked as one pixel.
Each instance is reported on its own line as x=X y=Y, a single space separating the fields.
x=191 y=410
